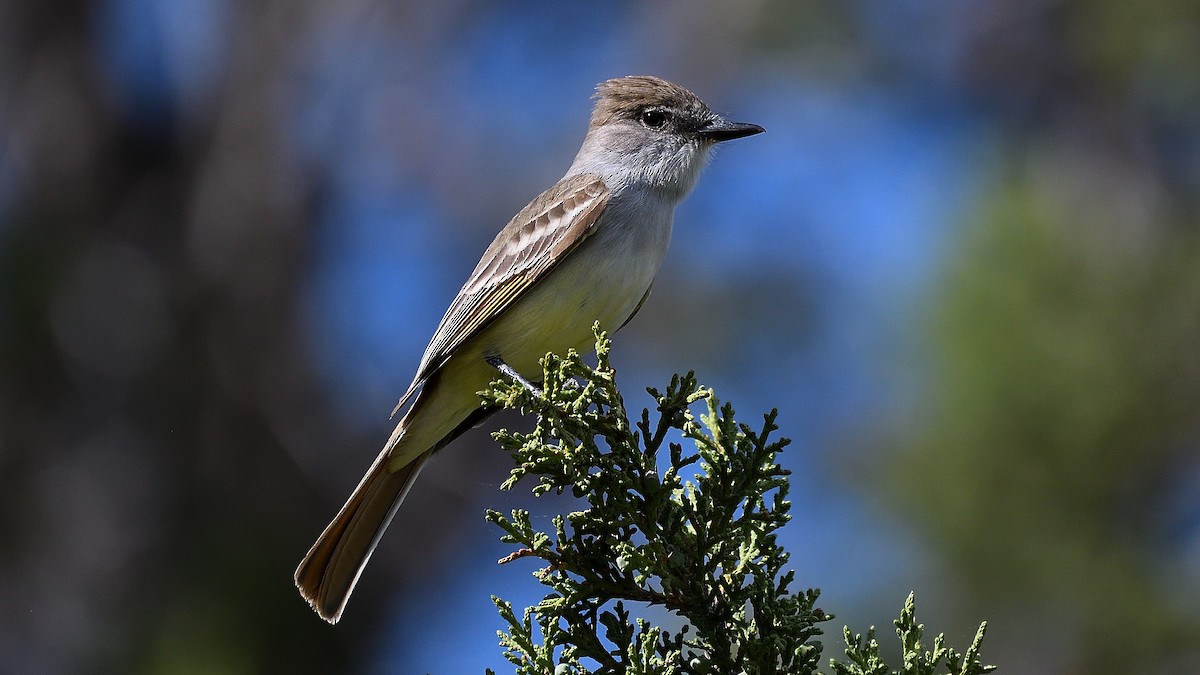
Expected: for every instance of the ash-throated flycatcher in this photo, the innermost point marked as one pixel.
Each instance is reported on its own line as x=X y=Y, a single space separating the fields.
x=585 y=250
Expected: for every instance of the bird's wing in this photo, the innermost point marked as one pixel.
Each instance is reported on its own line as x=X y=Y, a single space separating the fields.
x=532 y=244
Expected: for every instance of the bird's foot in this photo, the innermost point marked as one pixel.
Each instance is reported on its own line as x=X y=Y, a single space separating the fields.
x=499 y=364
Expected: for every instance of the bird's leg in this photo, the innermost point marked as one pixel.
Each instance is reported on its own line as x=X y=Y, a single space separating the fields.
x=498 y=363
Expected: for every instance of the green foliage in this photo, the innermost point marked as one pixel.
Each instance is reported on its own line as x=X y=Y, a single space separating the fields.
x=864 y=658
x=697 y=538
x=1060 y=419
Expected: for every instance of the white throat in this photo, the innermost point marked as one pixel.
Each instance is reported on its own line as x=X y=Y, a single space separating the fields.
x=628 y=158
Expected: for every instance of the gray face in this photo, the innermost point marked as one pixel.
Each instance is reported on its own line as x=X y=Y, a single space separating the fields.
x=672 y=119
x=662 y=107
x=652 y=102
x=650 y=132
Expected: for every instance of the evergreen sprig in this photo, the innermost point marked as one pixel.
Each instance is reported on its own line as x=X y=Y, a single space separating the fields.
x=697 y=537
x=863 y=657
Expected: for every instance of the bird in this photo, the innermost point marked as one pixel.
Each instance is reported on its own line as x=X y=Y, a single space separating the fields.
x=584 y=251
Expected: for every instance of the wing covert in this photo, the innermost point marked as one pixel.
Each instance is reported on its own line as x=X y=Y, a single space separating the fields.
x=529 y=246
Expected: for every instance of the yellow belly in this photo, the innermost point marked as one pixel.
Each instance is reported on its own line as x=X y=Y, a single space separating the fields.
x=602 y=280
x=554 y=316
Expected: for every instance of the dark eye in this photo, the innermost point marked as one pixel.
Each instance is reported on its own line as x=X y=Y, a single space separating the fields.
x=655 y=119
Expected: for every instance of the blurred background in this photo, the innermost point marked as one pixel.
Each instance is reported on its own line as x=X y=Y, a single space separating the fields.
x=964 y=262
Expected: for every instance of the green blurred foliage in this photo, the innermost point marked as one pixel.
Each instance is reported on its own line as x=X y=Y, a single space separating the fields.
x=1062 y=415
x=1067 y=385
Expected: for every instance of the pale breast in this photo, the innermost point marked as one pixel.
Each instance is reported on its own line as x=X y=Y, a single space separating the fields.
x=602 y=280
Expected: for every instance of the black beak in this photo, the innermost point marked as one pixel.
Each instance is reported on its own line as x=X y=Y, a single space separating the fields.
x=719 y=130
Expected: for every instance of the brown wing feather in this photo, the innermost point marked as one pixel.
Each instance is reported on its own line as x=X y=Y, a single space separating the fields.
x=532 y=244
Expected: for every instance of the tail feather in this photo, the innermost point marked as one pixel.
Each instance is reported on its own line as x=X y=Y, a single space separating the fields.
x=328 y=573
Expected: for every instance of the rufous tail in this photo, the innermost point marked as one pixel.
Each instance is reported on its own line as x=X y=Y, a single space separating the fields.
x=327 y=575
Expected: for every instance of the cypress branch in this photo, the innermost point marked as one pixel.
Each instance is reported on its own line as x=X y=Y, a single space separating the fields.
x=697 y=538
